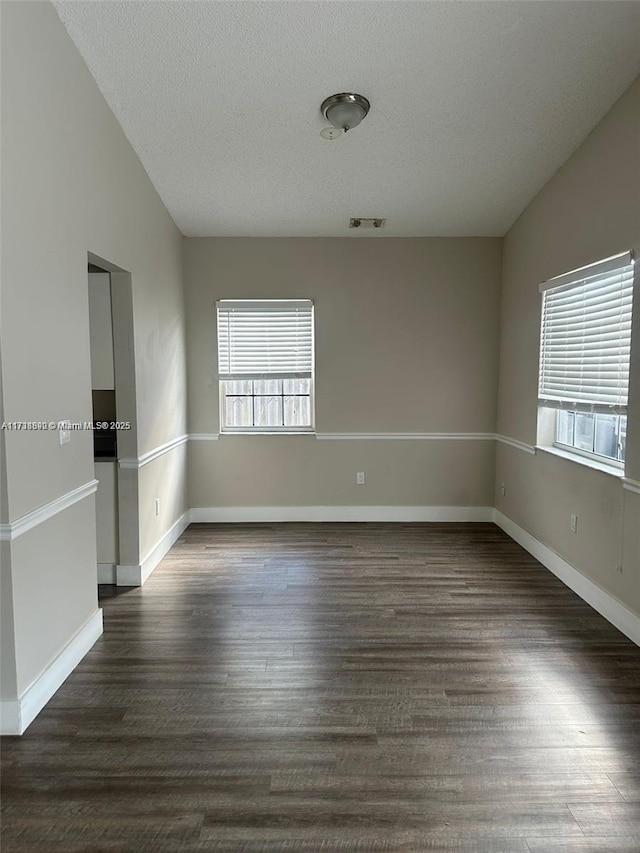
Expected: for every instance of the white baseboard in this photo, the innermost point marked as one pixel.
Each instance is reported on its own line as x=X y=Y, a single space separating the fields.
x=128 y=575
x=614 y=611
x=138 y=574
x=106 y=572
x=340 y=513
x=16 y=715
x=10 y=719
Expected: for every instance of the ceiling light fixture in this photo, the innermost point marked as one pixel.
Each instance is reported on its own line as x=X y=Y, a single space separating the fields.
x=344 y=112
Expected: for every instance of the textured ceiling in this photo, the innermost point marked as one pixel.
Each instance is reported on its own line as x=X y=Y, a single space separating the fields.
x=474 y=105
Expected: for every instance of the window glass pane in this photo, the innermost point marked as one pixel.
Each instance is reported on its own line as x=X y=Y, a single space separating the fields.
x=593 y=433
x=564 y=427
x=622 y=437
x=297 y=411
x=267 y=386
x=238 y=411
x=606 y=435
x=297 y=386
x=237 y=386
x=267 y=411
x=584 y=431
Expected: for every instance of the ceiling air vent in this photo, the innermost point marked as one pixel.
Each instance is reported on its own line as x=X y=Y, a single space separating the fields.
x=360 y=222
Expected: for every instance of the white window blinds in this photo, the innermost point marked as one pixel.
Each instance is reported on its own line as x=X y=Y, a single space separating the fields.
x=265 y=339
x=586 y=338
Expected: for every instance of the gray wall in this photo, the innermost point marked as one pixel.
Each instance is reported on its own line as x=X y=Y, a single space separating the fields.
x=406 y=342
x=71 y=184
x=589 y=210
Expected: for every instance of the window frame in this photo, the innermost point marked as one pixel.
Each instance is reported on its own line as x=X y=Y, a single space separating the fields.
x=550 y=408
x=265 y=376
x=579 y=451
x=266 y=430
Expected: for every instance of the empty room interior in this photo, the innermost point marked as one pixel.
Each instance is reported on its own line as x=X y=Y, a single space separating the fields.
x=320 y=446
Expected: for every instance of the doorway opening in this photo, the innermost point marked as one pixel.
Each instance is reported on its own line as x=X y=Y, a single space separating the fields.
x=113 y=395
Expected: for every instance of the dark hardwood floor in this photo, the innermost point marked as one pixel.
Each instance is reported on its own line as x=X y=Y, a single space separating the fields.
x=326 y=687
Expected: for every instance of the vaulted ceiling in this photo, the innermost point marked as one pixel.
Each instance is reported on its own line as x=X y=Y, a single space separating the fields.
x=474 y=105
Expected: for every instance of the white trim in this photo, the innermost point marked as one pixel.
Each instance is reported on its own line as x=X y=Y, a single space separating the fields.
x=267 y=431
x=128 y=575
x=614 y=611
x=390 y=436
x=16 y=715
x=359 y=436
x=10 y=720
x=582 y=459
x=43 y=513
x=228 y=306
x=340 y=513
x=136 y=575
x=631 y=485
x=143 y=460
x=404 y=436
x=106 y=572
x=128 y=463
x=514 y=442
x=615 y=262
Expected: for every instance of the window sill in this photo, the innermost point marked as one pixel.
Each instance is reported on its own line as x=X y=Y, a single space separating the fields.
x=583 y=460
x=267 y=432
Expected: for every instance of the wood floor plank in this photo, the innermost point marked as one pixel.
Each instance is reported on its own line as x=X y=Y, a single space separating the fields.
x=338 y=687
x=628 y=784
x=607 y=818
x=608 y=844
x=509 y=788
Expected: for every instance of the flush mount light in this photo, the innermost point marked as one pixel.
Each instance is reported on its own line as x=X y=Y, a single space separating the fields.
x=344 y=112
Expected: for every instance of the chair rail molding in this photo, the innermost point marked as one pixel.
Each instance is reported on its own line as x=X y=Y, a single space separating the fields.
x=32 y=519
x=156 y=453
x=515 y=442
x=405 y=436
x=631 y=485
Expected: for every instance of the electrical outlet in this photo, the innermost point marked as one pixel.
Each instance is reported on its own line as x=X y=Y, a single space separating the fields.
x=64 y=431
x=573 y=523
x=157 y=506
x=360 y=478
x=619 y=568
x=503 y=489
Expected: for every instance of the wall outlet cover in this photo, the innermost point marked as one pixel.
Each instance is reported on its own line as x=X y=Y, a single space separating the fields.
x=64 y=431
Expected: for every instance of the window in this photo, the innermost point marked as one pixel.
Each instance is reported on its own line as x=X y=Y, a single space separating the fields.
x=265 y=365
x=584 y=357
x=601 y=435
